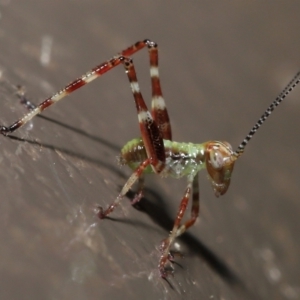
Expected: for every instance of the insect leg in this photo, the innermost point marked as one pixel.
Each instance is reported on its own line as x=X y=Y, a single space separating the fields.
x=76 y=84
x=132 y=179
x=159 y=109
x=166 y=244
x=151 y=135
x=195 y=208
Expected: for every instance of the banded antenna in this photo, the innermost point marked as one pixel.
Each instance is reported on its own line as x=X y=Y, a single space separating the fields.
x=291 y=85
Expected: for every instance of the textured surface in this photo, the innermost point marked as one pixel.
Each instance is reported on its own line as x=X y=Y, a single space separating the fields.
x=221 y=66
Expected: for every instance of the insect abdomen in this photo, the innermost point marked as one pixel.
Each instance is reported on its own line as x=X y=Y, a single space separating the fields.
x=133 y=154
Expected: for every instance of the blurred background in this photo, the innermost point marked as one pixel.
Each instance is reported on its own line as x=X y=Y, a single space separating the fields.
x=221 y=65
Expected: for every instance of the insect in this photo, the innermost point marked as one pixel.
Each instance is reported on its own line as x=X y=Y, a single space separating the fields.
x=155 y=151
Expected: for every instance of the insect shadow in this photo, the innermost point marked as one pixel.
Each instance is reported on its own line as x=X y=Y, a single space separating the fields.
x=158 y=213
x=156 y=210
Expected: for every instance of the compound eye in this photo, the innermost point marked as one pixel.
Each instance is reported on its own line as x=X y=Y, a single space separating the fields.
x=216 y=159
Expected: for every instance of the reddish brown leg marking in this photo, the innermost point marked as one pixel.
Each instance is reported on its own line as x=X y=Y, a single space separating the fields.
x=195 y=208
x=149 y=130
x=159 y=109
x=78 y=83
x=151 y=135
x=176 y=231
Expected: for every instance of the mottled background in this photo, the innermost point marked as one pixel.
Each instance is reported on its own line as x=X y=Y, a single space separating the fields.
x=221 y=65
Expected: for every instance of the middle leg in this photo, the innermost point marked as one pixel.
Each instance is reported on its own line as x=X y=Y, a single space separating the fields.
x=130 y=182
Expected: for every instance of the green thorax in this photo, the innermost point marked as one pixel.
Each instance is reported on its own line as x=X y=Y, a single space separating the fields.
x=182 y=159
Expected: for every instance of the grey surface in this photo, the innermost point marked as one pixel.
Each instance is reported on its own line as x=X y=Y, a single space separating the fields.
x=221 y=65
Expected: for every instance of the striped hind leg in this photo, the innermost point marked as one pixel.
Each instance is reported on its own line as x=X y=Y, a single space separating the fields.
x=76 y=84
x=158 y=106
x=151 y=135
x=152 y=139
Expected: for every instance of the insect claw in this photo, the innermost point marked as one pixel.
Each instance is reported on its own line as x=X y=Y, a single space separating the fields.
x=164 y=273
x=101 y=214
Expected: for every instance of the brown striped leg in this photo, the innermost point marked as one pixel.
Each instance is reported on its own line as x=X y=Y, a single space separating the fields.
x=195 y=208
x=151 y=135
x=132 y=179
x=159 y=109
x=76 y=84
x=166 y=244
x=93 y=74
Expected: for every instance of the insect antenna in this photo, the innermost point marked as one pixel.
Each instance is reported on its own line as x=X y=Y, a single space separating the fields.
x=290 y=86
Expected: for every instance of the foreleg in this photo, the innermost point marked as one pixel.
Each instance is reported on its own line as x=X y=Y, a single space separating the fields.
x=177 y=228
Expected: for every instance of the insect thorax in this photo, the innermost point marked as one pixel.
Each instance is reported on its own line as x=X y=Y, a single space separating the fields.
x=182 y=159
